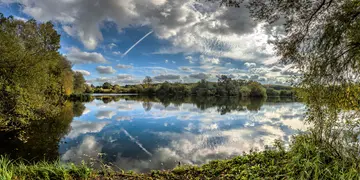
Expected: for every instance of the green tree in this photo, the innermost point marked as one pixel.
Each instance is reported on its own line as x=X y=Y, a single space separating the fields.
x=244 y=91
x=107 y=85
x=321 y=38
x=147 y=81
x=34 y=77
x=271 y=92
x=79 y=83
x=257 y=90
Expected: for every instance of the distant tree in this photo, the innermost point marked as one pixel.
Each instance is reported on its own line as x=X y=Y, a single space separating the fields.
x=116 y=88
x=107 y=85
x=244 y=91
x=271 y=92
x=147 y=81
x=89 y=89
x=286 y=93
x=257 y=90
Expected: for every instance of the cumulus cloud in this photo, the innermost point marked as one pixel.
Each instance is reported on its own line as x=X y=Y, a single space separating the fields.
x=105 y=69
x=190 y=26
x=83 y=72
x=81 y=127
x=209 y=60
x=87 y=150
x=123 y=66
x=166 y=77
x=250 y=65
x=190 y=59
x=79 y=57
x=105 y=114
x=124 y=76
x=200 y=76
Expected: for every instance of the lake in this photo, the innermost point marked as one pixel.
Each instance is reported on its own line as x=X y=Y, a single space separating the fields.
x=141 y=133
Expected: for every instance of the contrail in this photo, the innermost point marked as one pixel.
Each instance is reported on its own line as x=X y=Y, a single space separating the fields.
x=136 y=44
x=136 y=142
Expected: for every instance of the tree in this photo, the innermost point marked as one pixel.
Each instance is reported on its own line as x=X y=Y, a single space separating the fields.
x=147 y=81
x=257 y=90
x=79 y=83
x=321 y=38
x=271 y=92
x=107 y=85
x=34 y=76
x=244 y=91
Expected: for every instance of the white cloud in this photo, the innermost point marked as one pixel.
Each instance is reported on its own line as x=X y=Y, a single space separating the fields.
x=20 y=18
x=111 y=45
x=117 y=53
x=81 y=127
x=83 y=72
x=190 y=59
x=79 y=57
x=124 y=76
x=105 y=114
x=87 y=150
x=250 y=65
x=105 y=69
x=123 y=66
x=209 y=60
x=190 y=26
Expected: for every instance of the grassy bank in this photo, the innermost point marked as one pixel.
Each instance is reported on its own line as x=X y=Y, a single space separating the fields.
x=306 y=158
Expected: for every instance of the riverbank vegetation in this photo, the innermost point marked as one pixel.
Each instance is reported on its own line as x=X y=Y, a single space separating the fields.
x=225 y=86
x=306 y=158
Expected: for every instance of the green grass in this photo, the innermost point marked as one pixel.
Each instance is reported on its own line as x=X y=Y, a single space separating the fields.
x=306 y=158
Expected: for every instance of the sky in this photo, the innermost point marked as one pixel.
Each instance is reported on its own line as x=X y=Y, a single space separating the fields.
x=122 y=41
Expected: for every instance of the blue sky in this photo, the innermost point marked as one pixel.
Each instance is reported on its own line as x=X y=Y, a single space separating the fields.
x=187 y=40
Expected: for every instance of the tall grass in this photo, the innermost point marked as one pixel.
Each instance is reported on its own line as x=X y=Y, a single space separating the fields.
x=10 y=169
x=306 y=158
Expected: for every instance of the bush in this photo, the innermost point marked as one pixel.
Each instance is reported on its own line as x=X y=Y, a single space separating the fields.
x=286 y=93
x=257 y=90
x=245 y=91
x=272 y=92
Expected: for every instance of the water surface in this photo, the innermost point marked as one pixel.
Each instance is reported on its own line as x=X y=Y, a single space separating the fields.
x=140 y=134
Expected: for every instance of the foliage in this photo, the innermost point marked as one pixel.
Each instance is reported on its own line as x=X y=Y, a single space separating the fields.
x=305 y=159
x=79 y=83
x=34 y=77
x=147 y=81
x=321 y=38
x=257 y=90
x=107 y=85
x=272 y=92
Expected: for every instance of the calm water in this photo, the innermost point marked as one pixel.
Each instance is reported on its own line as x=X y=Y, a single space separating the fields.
x=140 y=134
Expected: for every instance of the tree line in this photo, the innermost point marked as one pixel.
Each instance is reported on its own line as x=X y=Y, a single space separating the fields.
x=225 y=86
